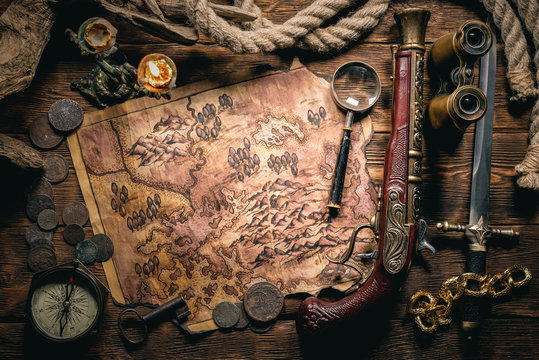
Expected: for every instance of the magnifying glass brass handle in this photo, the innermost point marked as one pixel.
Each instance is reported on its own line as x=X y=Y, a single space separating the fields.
x=335 y=195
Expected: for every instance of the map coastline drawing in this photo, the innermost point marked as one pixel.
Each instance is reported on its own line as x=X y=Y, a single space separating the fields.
x=222 y=186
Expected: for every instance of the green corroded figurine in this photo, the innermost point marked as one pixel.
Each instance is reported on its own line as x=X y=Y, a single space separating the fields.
x=113 y=80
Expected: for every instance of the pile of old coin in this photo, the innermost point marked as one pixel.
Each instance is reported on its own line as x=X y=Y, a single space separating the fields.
x=46 y=132
x=98 y=248
x=261 y=305
x=40 y=209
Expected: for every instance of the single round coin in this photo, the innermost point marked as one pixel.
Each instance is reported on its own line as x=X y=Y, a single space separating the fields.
x=105 y=247
x=55 y=168
x=65 y=115
x=86 y=251
x=37 y=204
x=263 y=301
x=33 y=232
x=73 y=234
x=226 y=315
x=261 y=327
x=47 y=219
x=75 y=213
x=42 y=242
x=243 y=322
x=39 y=186
x=41 y=258
x=42 y=134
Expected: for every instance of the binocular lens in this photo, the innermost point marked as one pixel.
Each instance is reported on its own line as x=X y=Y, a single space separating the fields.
x=475 y=37
x=469 y=103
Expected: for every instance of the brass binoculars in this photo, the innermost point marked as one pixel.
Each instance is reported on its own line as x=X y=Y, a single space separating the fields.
x=458 y=103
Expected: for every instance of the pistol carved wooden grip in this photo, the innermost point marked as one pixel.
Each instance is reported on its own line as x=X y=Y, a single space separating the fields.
x=397 y=235
x=317 y=316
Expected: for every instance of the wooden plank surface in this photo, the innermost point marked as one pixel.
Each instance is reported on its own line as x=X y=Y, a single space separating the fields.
x=511 y=329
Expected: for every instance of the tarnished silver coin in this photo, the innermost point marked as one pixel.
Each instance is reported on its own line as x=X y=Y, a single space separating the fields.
x=86 y=251
x=73 y=234
x=34 y=232
x=226 y=315
x=105 y=247
x=243 y=322
x=47 y=219
x=42 y=134
x=65 y=115
x=39 y=186
x=55 y=168
x=37 y=204
x=41 y=258
x=75 y=213
x=263 y=301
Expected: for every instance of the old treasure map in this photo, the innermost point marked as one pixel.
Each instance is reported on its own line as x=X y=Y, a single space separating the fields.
x=223 y=186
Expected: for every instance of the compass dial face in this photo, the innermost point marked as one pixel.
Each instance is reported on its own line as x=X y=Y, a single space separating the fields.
x=63 y=310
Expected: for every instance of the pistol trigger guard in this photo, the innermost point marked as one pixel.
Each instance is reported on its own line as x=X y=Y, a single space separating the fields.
x=358 y=282
x=351 y=243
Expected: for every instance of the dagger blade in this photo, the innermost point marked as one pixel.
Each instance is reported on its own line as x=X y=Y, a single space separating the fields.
x=480 y=191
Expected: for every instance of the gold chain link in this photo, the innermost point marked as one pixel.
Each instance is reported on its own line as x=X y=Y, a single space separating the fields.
x=430 y=311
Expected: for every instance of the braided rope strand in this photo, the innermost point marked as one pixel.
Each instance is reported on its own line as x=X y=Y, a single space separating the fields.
x=516 y=52
x=334 y=37
x=528 y=169
x=263 y=36
x=347 y=29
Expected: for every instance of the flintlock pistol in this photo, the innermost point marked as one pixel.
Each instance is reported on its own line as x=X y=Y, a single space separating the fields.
x=396 y=222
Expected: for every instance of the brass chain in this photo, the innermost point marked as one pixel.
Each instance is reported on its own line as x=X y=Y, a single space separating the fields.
x=430 y=311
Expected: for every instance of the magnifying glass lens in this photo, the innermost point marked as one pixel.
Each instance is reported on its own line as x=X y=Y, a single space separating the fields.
x=356 y=87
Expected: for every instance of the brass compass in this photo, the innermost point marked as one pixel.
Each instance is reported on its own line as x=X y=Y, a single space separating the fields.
x=65 y=303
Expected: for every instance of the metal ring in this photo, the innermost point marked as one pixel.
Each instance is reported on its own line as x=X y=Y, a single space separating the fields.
x=350 y=107
x=519 y=268
x=124 y=333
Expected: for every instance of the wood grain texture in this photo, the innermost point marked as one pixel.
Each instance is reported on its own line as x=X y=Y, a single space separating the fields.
x=511 y=329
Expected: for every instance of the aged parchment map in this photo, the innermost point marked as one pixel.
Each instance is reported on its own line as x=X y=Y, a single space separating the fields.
x=223 y=186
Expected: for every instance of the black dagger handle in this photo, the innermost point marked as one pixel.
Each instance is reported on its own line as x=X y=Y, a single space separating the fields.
x=471 y=315
x=476 y=258
x=335 y=195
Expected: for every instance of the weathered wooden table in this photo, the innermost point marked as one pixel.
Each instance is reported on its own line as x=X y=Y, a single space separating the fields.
x=512 y=327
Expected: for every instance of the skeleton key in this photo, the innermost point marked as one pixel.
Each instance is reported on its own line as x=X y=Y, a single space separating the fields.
x=174 y=308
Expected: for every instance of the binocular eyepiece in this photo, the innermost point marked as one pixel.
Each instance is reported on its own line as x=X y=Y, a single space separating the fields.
x=465 y=105
x=459 y=103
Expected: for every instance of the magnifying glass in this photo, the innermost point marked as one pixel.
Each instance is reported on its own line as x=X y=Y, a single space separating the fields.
x=355 y=87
